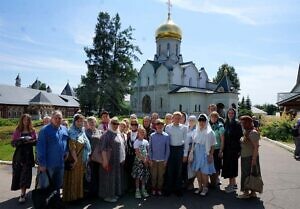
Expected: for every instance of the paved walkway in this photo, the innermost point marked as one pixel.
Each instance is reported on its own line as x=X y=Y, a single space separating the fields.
x=281 y=175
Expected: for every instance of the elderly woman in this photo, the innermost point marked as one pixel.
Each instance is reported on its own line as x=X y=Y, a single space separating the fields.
x=23 y=140
x=249 y=154
x=218 y=129
x=79 y=150
x=93 y=135
x=111 y=185
x=203 y=163
x=192 y=120
x=232 y=149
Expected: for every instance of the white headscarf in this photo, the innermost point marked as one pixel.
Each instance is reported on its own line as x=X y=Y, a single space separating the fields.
x=206 y=135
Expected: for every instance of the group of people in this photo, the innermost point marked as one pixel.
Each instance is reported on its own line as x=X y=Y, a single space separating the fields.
x=159 y=156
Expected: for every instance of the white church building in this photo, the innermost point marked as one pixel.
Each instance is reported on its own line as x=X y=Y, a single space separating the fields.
x=168 y=84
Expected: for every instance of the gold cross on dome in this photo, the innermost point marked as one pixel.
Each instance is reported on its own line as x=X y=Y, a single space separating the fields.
x=169 y=9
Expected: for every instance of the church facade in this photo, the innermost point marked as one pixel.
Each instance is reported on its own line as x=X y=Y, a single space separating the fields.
x=168 y=84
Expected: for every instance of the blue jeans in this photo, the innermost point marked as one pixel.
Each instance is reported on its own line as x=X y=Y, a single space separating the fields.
x=56 y=175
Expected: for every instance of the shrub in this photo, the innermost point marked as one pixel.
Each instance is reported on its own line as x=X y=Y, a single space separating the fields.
x=277 y=128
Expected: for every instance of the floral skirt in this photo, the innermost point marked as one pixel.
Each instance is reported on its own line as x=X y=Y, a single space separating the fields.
x=140 y=171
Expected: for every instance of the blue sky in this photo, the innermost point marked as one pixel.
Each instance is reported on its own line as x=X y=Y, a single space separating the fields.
x=260 y=38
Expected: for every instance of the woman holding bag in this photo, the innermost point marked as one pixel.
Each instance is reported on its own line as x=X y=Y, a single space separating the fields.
x=249 y=155
x=79 y=150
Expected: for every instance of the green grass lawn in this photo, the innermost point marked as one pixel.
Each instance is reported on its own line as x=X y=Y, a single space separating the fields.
x=6 y=150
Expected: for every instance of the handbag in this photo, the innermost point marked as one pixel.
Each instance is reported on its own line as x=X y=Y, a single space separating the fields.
x=96 y=155
x=254 y=181
x=191 y=154
x=46 y=198
x=70 y=161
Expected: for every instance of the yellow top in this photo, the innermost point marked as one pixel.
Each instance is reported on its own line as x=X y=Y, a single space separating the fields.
x=168 y=30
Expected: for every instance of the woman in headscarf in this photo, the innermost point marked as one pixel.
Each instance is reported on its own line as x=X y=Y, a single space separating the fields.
x=93 y=135
x=79 y=151
x=111 y=186
x=249 y=154
x=192 y=120
x=203 y=162
x=232 y=149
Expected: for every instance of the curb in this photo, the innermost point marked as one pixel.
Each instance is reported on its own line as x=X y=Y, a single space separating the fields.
x=3 y=162
x=287 y=147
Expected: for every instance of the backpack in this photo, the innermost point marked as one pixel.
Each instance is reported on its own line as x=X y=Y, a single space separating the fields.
x=295 y=131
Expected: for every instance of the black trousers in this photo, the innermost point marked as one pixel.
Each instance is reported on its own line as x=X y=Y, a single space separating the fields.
x=174 y=169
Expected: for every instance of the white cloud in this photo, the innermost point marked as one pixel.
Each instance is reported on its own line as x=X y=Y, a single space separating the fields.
x=247 y=11
x=41 y=63
x=263 y=82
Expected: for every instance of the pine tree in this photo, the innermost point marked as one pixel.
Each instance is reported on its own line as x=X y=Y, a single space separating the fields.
x=248 y=103
x=110 y=67
x=232 y=75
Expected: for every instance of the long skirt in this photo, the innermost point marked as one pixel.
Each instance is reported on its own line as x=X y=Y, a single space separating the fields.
x=200 y=162
x=246 y=169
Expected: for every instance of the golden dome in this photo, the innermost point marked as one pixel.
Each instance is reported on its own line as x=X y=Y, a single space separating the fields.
x=168 y=30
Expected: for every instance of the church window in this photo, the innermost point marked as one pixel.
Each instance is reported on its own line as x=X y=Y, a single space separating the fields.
x=199 y=108
x=159 y=49
x=195 y=108
x=168 y=49
x=176 y=49
x=190 y=81
x=180 y=107
x=148 y=81
x=161 y=102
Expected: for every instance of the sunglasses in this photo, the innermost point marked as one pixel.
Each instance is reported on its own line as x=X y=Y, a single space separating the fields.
x=134 y=124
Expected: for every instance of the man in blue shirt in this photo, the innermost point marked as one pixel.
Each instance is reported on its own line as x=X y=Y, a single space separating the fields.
x=52 y=149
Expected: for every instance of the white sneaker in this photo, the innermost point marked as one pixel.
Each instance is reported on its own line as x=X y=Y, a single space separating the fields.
x=22 y=199
x=230 y=189
x=204 y=191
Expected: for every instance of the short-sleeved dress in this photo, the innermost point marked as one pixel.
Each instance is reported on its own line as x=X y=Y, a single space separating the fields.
x=139 y=170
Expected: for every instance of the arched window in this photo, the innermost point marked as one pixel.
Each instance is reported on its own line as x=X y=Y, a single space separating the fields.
x=148 y=81
x=168 y=49
x=176 y=49
x=190 y=81
x=195 y=108
x=161 y=102
x=159 y=49
x=180 y=107
x=146 y=104
x=199 y=108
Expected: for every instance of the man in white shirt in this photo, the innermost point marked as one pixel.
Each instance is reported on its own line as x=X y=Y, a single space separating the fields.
x=177 y=133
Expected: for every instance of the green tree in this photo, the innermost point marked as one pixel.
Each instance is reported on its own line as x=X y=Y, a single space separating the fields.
x=110 y=67
x=245 y=107
x=232 y=75
x=43 y=86
x=269 y=108
x=248 y=103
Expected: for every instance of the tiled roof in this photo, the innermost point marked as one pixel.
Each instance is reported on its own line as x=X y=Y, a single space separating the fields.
x=24 y=96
